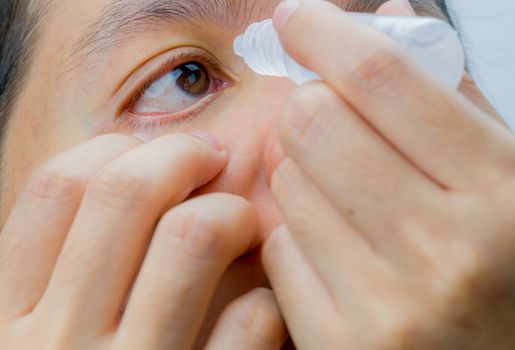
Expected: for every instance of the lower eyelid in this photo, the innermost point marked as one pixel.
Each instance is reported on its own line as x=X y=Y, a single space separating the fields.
x=151 y=124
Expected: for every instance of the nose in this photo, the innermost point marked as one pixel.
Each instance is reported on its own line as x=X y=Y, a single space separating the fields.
x=254 y=148
x=252 y=138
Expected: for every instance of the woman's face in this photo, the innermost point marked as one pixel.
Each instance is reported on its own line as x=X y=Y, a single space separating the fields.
x=149 y=68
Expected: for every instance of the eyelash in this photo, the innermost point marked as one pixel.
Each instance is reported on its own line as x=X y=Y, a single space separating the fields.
x=150 y=124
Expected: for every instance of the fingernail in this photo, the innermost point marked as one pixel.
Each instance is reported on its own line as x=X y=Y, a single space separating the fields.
x=396 y=8
x=283 y=12
x=212 y=140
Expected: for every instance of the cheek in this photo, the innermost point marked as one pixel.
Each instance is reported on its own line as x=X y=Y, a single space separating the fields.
x=249 y=131
x=247 y=174
x=37 y=131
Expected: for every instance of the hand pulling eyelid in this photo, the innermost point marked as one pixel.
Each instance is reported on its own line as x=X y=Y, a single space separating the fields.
x=433 y=44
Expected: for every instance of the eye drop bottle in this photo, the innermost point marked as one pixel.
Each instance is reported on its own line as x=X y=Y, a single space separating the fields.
x=431 y=42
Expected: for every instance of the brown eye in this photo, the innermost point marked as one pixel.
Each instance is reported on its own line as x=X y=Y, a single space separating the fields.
x=192 y=78
x=180 y=88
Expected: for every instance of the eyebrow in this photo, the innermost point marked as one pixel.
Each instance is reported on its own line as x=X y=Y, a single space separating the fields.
x=123 y=19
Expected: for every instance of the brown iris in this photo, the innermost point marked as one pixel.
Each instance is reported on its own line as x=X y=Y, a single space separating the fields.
x=193 y=78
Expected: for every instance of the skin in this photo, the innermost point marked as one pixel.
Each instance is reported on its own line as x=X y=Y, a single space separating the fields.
x=68 y=193
x=43 y=129
x=418 y=219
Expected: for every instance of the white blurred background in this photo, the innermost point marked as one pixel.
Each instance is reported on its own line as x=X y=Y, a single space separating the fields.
x=489 y=30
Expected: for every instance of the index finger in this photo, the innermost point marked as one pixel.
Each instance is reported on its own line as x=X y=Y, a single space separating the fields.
x=433 y=126
x=39 y=222
x=193 y=246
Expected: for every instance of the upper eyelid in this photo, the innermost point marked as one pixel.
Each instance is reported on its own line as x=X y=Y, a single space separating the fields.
x=156 y=67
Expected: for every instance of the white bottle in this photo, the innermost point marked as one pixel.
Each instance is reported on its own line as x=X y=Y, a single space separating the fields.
x=433 y=43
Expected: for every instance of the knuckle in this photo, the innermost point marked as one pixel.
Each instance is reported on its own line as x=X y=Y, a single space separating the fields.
x=383 y=70
x=198 y=233
x=119 y=189
x=307 y=116
x=55 y=183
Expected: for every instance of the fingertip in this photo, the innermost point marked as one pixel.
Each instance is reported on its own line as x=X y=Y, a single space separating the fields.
x=396 y=8
x=258 y=320
x=212 y=140
x=283 y=12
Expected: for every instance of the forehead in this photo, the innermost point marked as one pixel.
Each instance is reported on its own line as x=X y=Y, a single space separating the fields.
x=82 y=36
x=105 y=22
x=95 y=25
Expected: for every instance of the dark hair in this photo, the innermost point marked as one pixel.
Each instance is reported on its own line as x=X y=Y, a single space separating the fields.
x=19 y=21
x=18 y=25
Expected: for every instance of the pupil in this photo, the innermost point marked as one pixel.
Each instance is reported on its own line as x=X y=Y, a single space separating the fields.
x=194 y=79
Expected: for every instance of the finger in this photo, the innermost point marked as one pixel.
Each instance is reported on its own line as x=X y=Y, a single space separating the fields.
x=396 y=8
x=330 y=240
x=251 y=322
x=36 y=229
x=115 y=222
x=307 y=305
x=193 y=245
x=436 y=128
x=354 y=168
